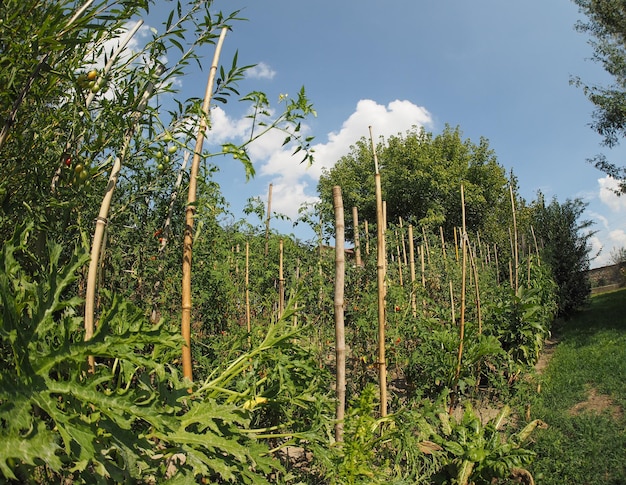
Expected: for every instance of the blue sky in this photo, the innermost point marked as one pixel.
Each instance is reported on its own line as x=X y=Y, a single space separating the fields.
x=497 y=69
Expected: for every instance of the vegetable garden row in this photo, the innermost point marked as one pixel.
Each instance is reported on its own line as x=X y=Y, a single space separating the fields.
x=260 y=358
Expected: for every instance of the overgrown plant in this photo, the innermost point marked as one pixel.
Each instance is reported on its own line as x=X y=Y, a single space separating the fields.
x=133 y=419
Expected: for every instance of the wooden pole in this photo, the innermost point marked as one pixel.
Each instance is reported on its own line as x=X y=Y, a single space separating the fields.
x=281 y=281
x=191 y=211
x=340 y=337
x=443 y=242
x=248 y=320
x=357 y=245
x=400 y=279
x=102 y=220
x=267 y=221
x=516 y=255
x=380 y=273
x=412 y=268
x=463 y=283
x=367 y=238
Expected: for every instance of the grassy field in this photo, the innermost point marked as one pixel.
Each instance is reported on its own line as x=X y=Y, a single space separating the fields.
x=582 y=398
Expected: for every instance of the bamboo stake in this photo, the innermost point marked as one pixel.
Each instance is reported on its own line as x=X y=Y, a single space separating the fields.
x=532 y=230
x=380 y=273
x=191 y=211
x=456 y=245
x=443 y=242
x=400 y=279
x=295 y=303
x=357 y=245
x=267 y=221
x=426 y=245
x=340 y=337
x=248 y=319
x=515 y=238
x=281 y=281
x=423 y=266
x=495 y=257
x=452 y=308
x=403 y=244
x=101 y=221
x=412 y=267
x=367 y=239
x=478 y=309
x=463 y=283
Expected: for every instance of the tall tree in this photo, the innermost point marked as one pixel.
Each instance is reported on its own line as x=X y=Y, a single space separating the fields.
x=606 y=23
x=566 y=249
x=421 y=177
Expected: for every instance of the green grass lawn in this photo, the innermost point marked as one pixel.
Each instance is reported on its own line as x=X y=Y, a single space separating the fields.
x=583 y=399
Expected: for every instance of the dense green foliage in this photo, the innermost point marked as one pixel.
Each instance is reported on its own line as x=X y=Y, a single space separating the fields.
x=566 y=249
x=263 y=386
x=421 y=177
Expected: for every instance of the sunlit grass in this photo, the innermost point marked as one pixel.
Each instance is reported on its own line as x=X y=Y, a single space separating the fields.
x=583 y=399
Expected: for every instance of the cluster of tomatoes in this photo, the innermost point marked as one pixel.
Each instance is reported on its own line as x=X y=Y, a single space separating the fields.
x=80 y=171
x=91 y=81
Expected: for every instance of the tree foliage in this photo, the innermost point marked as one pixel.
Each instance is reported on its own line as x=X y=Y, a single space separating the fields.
x=421 y=177
x=606 y=23
x=565 y=248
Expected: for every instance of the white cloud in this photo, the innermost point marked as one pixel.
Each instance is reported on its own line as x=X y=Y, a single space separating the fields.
x=293 y=177
x=295 y=183
x=618 y=237
x=261 y=71
x=608 y=186
x=287 y=198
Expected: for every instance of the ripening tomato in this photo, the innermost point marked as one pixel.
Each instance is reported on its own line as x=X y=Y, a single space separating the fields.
x=92 y=75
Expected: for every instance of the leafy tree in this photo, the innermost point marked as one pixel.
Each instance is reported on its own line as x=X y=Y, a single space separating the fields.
x=565 y=241
x=421 y=176
x=606 y=23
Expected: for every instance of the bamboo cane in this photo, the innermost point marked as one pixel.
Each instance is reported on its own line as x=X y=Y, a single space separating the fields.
x=267 y=221
x=412 y=268
x=400 y=279
x=532 y=230
x=443 y=242
x=101 y=221
x=367 y=238
x=403 y=243
x=357 y=245
x=452 y=307
x=477 y=289
x=495 y=257
x=248 y=319
x=456 y=245
x=340 y=337
x=463 y=283
x=426 y=244
x=190 y=213
x=281 y=281
x=380 y=273
x=516 y=255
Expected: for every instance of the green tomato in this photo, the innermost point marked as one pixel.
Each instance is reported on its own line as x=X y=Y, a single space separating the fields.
x=79 y=168
x=159 y=154
x=83 y=175
x=172 y=149
x=160 y=166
